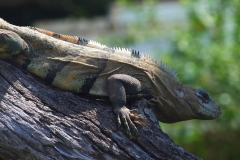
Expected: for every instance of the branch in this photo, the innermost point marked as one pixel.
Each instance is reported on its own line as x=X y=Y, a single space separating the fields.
x=38 y=121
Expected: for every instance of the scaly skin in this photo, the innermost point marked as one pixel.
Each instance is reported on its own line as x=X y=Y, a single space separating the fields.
x=87 y=67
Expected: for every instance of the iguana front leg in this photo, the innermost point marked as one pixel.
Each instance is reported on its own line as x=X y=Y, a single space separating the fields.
x=120 y=85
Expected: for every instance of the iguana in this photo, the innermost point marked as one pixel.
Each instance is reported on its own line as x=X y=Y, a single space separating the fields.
x=87 y=67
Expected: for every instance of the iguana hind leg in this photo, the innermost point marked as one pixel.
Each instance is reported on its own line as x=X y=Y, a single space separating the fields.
x=11 y=44
x=120 y=85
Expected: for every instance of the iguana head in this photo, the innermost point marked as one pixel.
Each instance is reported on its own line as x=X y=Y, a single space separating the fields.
x=178 y=102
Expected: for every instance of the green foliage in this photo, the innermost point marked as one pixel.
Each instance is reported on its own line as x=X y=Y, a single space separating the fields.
x=138 y=30
x=205 y=55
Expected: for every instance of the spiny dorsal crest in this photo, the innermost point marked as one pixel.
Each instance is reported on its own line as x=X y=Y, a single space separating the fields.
x=96 y=44
x=125 y=51
x=163 y=66
x=136 y=53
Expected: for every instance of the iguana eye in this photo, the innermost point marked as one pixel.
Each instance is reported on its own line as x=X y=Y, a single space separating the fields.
x=203 y=95
x=180 y=93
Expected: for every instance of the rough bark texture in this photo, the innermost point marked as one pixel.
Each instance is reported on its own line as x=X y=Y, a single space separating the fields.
x=38 y=121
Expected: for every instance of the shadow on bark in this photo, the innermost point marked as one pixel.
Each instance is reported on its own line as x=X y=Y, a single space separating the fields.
x=38 y=121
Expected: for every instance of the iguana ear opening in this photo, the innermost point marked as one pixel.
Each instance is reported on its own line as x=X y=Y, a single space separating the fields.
x=180 y=93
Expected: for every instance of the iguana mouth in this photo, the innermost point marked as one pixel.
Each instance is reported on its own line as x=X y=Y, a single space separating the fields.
x=208 y=113
x=208 y=107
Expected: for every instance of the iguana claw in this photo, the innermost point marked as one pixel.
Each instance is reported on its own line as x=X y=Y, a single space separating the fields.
x=125 y=115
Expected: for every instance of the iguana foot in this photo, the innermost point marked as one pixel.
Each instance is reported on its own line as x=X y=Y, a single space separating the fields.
x=124 y=115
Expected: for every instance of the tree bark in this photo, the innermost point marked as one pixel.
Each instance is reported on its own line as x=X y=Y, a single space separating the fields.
x=38 y=121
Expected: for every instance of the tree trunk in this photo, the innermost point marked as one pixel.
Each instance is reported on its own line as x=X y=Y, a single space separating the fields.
x=38 y=121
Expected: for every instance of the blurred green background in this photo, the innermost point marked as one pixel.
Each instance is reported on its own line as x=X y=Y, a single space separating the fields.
x=204 y=50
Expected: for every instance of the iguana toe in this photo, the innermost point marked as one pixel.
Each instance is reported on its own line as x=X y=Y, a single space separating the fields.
x=126 y=116
x=136 y=116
